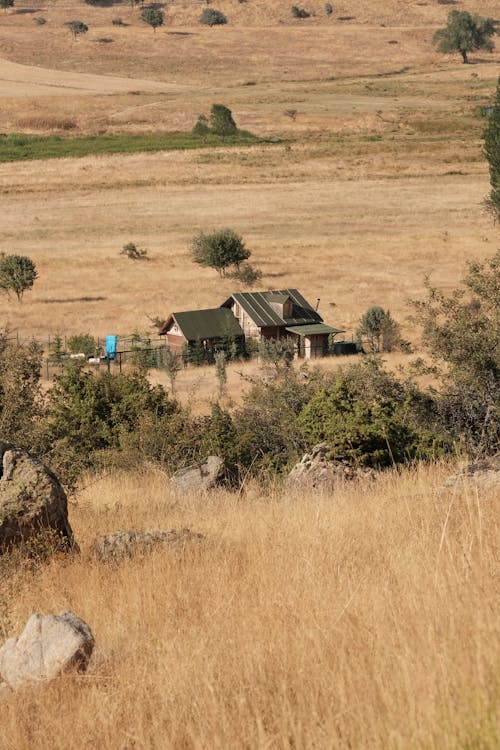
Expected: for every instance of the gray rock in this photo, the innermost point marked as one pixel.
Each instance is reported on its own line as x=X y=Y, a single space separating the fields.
x=202 y=477
x=32 y=500
x=121 y=544
x=48 y=646
x=316 y=471
x=483 y=474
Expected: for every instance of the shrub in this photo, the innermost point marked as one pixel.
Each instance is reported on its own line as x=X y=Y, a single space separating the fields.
x=212 y=17
x=328 y=9
x=201 y=127
x=152 y=16
x=246 y=275
x=40 y=21
x=130 y=250
x=299 y=12
x=76 y=28
x=118 y=22
x=82 y=343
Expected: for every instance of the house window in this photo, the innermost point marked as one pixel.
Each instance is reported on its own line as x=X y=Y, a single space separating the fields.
x=237 y=310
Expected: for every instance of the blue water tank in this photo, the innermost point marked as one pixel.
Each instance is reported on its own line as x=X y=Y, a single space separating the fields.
x=111 y=342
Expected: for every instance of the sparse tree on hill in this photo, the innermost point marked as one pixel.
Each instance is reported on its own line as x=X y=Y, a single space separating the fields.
x=379 y=329
x=219 y=250
x=492 y=152
x=6 y=4
x=153 y=16
x=465 y=33
x=201 y=127
x=76 y=28
x=221 y=120
x=17 y=274
x=172 y=363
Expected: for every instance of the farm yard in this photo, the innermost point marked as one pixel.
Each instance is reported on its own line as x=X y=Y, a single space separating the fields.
x=333 y=581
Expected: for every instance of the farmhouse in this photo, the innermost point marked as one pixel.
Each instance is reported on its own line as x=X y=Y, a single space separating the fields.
x=282 y=314
x=252 y=315
x=206 y=328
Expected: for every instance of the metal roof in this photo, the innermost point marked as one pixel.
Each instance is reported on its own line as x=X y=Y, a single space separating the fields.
x=256 y=305
x=218 y=322
x=315 y=328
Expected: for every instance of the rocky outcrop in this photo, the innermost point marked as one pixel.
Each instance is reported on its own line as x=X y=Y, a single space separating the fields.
x=32 y=500
x=48 y=646
x=483 y=474
x=202 y=477
x=121 y=544
x=316 y=471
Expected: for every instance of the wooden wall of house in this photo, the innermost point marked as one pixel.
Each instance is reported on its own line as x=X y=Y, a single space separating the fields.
x=250 y=329
x=176 y=342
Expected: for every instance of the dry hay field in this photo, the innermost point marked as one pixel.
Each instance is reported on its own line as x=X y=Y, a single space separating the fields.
x=367 y=620
x=378 y=180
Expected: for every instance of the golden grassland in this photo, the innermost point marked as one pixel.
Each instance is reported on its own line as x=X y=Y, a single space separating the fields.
x=378 y=180
x=366 y=618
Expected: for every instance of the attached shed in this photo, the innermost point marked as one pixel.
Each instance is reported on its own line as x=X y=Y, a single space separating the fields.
x=210 y=328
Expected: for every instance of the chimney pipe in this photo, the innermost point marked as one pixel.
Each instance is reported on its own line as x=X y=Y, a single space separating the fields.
x=317 y=303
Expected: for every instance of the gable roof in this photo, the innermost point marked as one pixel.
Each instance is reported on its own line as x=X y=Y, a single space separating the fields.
x=218 y=322
x=256 y=305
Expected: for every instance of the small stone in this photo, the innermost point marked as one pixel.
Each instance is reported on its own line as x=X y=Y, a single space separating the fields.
x=122 y=544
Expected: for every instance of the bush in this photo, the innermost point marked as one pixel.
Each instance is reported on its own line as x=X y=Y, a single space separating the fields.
x=328 y=9
x=40 y=21
x=299 y=12
x=212 y=17
x=463 y=331
x=221 y=120
x=118 y=22
x=246 y=275
x=201 y=127
x=130 y=250
x=82 y=343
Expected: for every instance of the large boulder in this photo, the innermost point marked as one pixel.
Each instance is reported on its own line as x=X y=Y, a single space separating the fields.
x=483 y=474
x=316 y=471
x=32 y=500
x=121 y=544
x=48 y=646
x=202 y=477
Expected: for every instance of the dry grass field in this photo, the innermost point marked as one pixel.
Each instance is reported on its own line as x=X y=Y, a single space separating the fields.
x=379 y=179
x=363 y=619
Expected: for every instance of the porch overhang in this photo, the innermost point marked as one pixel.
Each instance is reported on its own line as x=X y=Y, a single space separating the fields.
x=314 y=329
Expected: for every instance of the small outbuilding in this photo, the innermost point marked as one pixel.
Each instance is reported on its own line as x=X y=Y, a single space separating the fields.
x=211 y=329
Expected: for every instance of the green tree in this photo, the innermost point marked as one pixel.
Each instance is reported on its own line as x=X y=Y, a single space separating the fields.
x=77 y=28
x=212 y=17
x=153 y=16
x=492 y=153
x=219 y=250
x=221 y=120
x=465 y=33
x=201 y=127
x=17 y=274
x=6 y=4
x=379 y=329
x=463 y=332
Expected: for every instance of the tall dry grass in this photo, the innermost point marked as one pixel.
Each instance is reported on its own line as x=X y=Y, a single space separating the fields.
x=366 y=618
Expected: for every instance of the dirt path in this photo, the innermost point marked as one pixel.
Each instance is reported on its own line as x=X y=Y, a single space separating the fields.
x=26 y=80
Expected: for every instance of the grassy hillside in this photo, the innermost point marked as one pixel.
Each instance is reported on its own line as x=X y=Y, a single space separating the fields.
x=361 y=619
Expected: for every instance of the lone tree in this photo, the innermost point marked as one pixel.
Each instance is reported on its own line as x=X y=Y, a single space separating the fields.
x=380 y=329
x=153 y=16
x=17 y=274
x=77 y=28
x=221 y=120
x=6 y=4
x=492 y=152
x=465 y=33
x=219 y=250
